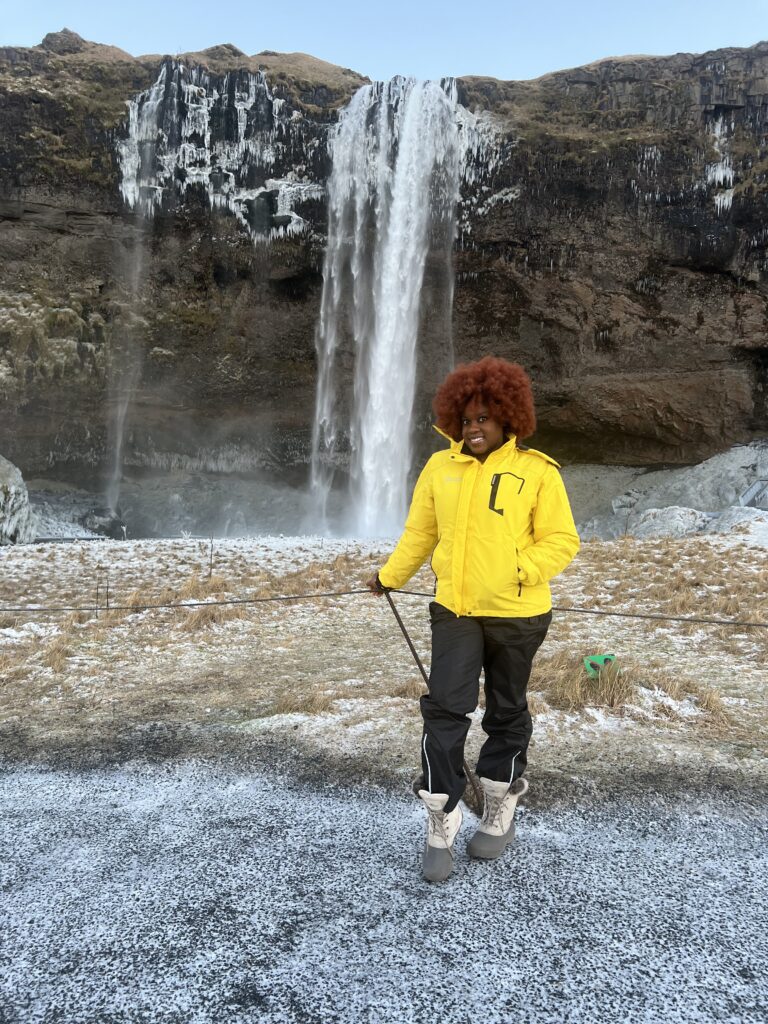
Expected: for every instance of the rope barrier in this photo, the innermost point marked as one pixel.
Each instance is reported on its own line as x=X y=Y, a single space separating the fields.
x=179 y=604
x=634 y=615
x=345 y=593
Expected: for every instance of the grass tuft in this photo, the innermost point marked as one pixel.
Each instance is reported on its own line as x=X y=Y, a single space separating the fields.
x=411 y=689
x=292 y=702
x=537 y=705
x=710 y=701
x=57 y=652
x=207 y=615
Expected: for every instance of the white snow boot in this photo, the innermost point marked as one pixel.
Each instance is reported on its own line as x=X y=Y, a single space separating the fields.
x=497 y=829
x=442 y=829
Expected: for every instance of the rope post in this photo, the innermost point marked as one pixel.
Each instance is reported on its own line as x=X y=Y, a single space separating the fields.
x=477 y=792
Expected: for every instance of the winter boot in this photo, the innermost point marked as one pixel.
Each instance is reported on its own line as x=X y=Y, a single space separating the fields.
x=442 y=829
x=497 y=829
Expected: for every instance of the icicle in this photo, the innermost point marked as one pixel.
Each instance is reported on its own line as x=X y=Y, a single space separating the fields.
x=184 y=132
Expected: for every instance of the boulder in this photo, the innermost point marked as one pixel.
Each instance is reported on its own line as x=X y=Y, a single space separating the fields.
x=17 y=522
x=748 y=524
x=674 y=521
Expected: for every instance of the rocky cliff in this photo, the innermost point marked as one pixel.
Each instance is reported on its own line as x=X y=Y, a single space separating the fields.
x=616 y=246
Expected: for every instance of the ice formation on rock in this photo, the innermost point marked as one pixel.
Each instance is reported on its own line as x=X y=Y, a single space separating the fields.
x=708 y=497
x=399 y=154
x=225 y=134
x=17 y=522
x=720 y=172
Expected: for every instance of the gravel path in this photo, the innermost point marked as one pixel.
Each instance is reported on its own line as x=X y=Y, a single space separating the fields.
x=203 y=892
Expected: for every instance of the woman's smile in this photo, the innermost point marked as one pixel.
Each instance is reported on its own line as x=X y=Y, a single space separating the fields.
x=482 y=434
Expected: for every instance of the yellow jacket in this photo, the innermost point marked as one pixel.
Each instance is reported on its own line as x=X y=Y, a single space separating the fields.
x=497 y=531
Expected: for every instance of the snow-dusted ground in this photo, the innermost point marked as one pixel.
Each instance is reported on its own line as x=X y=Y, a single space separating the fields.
x=193 y=892
x=239 y=875
x=336 y=673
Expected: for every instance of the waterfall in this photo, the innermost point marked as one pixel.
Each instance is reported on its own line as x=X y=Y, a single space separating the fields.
x=124 y=367
x=396 y=165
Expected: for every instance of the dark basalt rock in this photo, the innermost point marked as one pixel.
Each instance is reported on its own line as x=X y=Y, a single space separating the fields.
x=104 y=521
x=618 y=249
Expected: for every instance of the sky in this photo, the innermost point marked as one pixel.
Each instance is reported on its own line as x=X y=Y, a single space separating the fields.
x=506 y=39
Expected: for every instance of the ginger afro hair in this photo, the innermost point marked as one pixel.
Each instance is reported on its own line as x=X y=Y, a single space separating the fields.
x=502 y=386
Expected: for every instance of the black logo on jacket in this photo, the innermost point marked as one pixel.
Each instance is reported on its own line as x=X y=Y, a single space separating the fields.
x=495 y=481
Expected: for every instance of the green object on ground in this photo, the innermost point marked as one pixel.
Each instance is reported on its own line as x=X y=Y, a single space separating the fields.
x=595 y=663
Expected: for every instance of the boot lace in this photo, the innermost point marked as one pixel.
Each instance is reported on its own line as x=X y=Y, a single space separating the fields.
x=492 y=810
x=436 y=827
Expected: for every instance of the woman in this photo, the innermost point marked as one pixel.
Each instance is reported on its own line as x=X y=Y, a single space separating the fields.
x=495 y=518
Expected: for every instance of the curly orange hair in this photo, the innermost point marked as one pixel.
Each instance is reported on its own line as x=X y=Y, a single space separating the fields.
x=502 y=386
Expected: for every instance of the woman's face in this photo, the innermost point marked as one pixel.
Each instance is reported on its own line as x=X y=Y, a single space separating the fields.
x=482 y=434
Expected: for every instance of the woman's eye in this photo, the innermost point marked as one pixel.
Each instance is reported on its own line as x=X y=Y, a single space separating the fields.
x=481 y=419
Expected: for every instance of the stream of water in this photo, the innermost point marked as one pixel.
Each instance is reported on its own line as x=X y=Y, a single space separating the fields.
x=393 y=192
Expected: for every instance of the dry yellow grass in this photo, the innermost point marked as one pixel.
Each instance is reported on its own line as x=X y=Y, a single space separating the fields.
x=206 y=615
x=296 y=702
x=198 y=589
x=710 y=701
x=74 y=619
x=57 y=652
x=120 y=669
x=411 y=689
x=674 y=579
x=569 y=687
x=565 y=685
x=537 y=705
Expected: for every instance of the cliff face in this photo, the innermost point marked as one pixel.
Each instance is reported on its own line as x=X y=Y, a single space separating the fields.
x=629 y=254
x=617 y=248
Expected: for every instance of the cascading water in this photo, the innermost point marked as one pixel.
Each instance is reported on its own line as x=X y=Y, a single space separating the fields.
x=246 y=150
x=125 y=365
x=394 y=186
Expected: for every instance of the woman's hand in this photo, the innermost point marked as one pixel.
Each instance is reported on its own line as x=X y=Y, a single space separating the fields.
x=374 y=585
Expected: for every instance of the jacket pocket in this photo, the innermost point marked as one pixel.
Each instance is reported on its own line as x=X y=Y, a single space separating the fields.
x=517 y=573
x=440 y=561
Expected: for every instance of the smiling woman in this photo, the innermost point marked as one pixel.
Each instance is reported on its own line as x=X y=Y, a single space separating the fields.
x=481 y=432
x=495 y=519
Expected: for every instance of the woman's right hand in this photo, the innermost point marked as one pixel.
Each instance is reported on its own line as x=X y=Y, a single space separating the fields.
x=374 y=585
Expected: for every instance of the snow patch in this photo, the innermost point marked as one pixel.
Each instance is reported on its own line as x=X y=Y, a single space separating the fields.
x=692 y=499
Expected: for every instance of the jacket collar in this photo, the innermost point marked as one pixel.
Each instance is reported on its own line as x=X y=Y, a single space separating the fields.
x=456 y=446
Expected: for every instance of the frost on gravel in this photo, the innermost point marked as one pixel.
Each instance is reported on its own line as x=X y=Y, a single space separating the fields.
x=197 y=892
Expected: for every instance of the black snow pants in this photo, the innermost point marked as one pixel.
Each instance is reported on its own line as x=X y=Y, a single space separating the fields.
x=461 y=647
